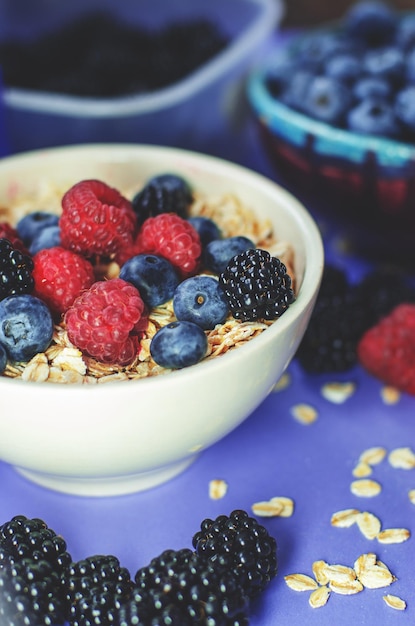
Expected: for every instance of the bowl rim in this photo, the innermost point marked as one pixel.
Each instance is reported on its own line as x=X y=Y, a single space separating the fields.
x=270 y=12
x=280 y=118
x=313 y=253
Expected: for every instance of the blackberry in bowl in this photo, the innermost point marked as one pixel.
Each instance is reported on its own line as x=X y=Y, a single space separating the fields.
x=123 y=421
x=334 y=109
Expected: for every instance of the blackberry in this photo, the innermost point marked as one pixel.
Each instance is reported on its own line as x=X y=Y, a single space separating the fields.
x=344 y=311
x=257 y=286
x=238 y=543
x=31 y=594
x=180 y=588
x=166 y=193
x=15 y=270
x=22 y=537
x=95 y=587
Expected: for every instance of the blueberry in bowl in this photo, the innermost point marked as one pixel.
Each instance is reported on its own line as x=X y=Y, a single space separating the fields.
x=335 y=110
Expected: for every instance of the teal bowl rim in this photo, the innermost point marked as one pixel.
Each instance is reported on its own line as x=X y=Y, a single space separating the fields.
x=328 y=141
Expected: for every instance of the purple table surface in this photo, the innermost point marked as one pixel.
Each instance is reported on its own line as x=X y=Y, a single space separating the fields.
x=270 y=454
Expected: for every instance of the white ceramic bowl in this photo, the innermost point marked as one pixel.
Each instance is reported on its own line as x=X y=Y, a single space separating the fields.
x=127 y=436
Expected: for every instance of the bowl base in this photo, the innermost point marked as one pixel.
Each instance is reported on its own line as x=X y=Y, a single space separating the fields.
x=110 y=486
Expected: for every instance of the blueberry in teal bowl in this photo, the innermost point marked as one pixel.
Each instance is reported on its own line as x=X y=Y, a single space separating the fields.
x=335 y=107
x=129 y=355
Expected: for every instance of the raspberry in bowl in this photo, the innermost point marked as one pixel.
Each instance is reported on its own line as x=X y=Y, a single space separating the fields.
x=132 y=329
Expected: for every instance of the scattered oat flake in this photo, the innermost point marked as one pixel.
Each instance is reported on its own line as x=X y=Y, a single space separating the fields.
x=362 y=470
x=344 y=518
x=319 y=597
x=411 y=495
x=395 y=602
x=373 y=456
x=372 y=573
x=369 y=525
x=268 y=508
x=402 y=458
x=283 y=382
x=217 y=488
x=300 y=582
x=365 y=488
x=393 y=535
x=319 y=571
x=346 y=589
x=286 y=503
x=304 y=413
x=338 y=392
x=340 y=574
x=390 y=395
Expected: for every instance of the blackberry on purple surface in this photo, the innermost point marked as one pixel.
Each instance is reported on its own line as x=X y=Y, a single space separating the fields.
x=238 y=543
x=180 y=585
x=95 y=587
x=15 y=270
x=257 y=286
x=22 y=537
x=31 y=594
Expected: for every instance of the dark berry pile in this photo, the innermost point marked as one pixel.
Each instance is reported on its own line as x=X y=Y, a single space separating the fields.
x=99 y=56
x=257 y=286
x=233 y=561
x=344 y=311
x=15 y=270
x=358 y=76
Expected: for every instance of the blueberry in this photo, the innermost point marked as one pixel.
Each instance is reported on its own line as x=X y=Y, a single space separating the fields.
x=280 y=75
x=372 y=87
x=3 y=359
x=387 y=63
x=374 y=117
x=405 y=108
x=179 y=344
x=410 y=67
x=30 y=225
x=327 y=100
x=315 y=48
x=48 y=237
x=345 y=68
x=405 y=36
x=372 y=22
x=165 y=193
x=26 y=326
x=155 y=278
x=218 y=252
x=295 y=93
x=200 y=299
x=206 y=229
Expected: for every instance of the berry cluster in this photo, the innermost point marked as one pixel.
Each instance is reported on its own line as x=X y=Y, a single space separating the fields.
x=359 y=76
x=233 y=560
x=99 y=55
x=56 y=267
x=369 y=322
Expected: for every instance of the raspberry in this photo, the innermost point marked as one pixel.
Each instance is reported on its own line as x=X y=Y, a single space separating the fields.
x=96 y=220
x=60 y=275
x=239 y=544
x=387 y=350
x=8 y=232
x=173 y=238
x=104 y=321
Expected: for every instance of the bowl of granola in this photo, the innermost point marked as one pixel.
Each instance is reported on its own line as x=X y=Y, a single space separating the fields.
x=168 y=295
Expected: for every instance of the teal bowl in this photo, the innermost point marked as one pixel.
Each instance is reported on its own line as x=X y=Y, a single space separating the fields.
x=365 y=181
